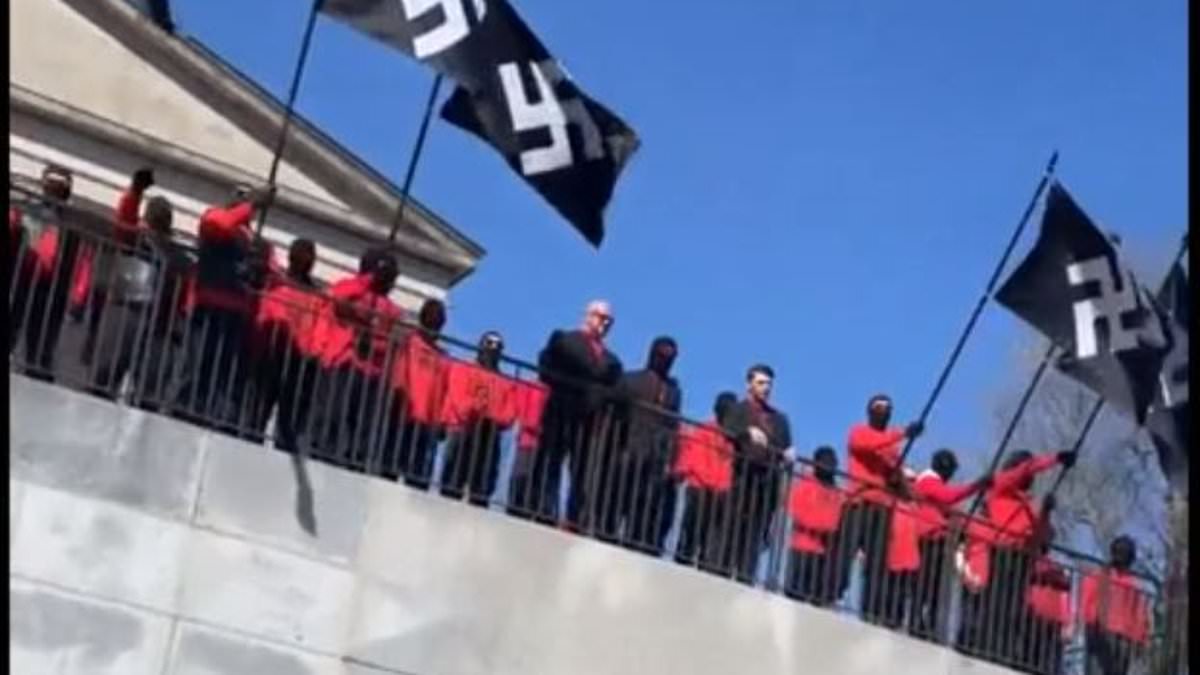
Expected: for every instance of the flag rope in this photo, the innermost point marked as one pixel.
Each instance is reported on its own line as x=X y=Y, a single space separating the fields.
x=415 y=157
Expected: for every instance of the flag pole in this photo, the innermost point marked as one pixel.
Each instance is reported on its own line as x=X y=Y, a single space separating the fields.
x=289 y=109
x=987 y=294
x=415 y=157
x=1091 y=419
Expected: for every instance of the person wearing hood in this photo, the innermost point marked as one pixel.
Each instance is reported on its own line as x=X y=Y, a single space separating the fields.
x=704 y=465
x=1115 y=612
x=639 y=496
x=815 y=506
x=935 y=499
x=480 y=405
x=419 y=384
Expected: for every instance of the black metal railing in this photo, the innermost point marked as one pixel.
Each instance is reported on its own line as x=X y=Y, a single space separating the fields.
x=375 y=393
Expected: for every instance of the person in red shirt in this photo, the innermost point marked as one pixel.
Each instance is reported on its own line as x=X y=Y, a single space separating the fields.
x=215 y=363
x=815 y=506
x=286 y=324
x=360 y=328
x=1021 y=527
x=419 y=381
x=42 y=292
x=705 y=466
x=480 y=406
x=1115 y=612
x=936 y=497
x=874 y=452
x=1049 y=602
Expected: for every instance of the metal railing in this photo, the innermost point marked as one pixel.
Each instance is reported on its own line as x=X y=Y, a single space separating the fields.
x=374 y=393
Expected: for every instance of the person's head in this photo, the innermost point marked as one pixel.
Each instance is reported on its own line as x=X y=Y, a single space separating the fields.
x=158 y=215
x=432 y=317
x=879 y=411
x=241 y=192
x=1122 y=553
x=944 y=463
x=491 y=347
x=57 y=182
x=662 y=355
x=759 y=380
x=598 y=318
x=384 y=272
x=825 y=464
x=725 y=400
x=366 y=262
x=302 y=255
x=1017 y=458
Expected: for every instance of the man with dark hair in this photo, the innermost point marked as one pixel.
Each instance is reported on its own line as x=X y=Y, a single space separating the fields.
x=815 y=506
x=359 y=332
x=287 y=324
x=581 y=374
x=640 y=495
x=419 y=381
x=1115 y=612
x=215 y=368
x=762 y=438
x=45 y=273
x=936 y=498
x=874 y=453
x=480 y=405
x=705 y=465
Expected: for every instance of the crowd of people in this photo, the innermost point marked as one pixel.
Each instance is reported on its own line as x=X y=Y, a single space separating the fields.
x=229 y=339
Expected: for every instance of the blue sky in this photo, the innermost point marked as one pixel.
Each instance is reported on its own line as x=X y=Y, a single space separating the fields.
x=823 y=186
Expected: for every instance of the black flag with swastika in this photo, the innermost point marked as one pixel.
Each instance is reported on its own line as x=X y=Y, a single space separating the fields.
x=1074 y=288
x=1170 y=419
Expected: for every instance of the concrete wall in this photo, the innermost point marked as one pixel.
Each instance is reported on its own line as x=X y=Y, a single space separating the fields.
x=141 y=545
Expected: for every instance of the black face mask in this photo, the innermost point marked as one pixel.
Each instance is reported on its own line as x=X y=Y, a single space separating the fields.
x=1123 y=555
x=878 y=419
x=945 y=467
x=662 y=357
x=824 y=474
x=489 y=353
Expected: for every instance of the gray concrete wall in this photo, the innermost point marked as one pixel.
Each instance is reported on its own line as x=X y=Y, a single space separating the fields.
x=140 y=545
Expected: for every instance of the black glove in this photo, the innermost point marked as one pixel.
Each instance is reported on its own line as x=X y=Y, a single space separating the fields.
x=142 y=179
x=1067 y=458
x=915 y=429
x=261 y=196
x=1049 y=503
x=985 y=481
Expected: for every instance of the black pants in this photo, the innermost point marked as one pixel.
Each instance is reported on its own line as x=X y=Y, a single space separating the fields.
x=644 y=499
x=931 y=578
x=1044 y=647
x=705 y=520
x=573 y=439
x=298 y=386
x=44 y=322
x=354 y=419
x=812 y=578
x=215 y=368
x=865 y=527
x=971 y=623
x=1006 y=614
x=755 y=497
x=1108 y=653
x=472 y=460
x=415 y=452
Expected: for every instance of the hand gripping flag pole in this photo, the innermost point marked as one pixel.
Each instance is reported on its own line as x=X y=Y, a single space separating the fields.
x=416 y=156
x=289 y=110
x=983 y=299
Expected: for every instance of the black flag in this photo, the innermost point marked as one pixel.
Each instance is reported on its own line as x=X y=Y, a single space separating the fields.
x=1169 y=419
x=567 y=146
x=512 y=94
x=1074 y=288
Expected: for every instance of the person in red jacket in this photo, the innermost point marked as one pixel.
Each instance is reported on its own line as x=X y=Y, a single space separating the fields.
x=1021 y=527
x=936 y=497
x=360 y=328
x=288 y=367
x=215 y=363
x=1049 y=602
x=1115 y=612
x=42 y=292
x=874 y=452
x=480 y=405
x=705 y=466
x=419 y=381
x=815 y=506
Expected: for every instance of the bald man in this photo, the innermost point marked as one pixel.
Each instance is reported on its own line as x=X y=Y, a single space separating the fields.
x=581 y=373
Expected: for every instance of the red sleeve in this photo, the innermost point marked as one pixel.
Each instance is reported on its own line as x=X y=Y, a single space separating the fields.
x=941 y=493
x=875 y=448
x=81 y=286
x=1007 y=481
x=227 y=224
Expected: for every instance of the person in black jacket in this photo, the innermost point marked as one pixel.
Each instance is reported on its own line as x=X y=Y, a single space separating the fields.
x=641 y=492
x=762 y=439
x=581 y=374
